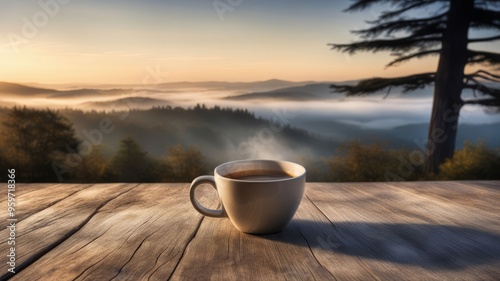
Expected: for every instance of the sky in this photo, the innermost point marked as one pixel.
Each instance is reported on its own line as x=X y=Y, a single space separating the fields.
x=130 y=41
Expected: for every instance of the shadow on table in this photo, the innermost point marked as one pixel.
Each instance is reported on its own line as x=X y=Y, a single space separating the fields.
x=425 y=245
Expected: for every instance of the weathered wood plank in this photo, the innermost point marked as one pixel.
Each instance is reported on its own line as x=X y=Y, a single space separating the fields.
x=42 y=231
x=220 y=252
x=140 y=235
x=480 y=195
x=482 y=216
x=399 y=235
x=33 y=198
x=343 y=231
x=322 y=238
x=21 y=188
x=495 y=185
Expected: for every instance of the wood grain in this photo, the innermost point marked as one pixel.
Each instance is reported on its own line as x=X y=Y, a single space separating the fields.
x=21 y=188
x=139 y=235
x=396 y=233
x=479 y=195
x=33 y=198
x=220 y=252
x=342 y=231
x=41 y=232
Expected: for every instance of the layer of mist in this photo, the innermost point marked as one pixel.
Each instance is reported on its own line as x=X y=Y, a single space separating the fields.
x=311 y=107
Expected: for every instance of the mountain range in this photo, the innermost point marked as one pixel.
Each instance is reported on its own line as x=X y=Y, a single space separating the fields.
x=276 y=90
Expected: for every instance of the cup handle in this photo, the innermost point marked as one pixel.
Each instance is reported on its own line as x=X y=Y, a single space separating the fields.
x=202 y=210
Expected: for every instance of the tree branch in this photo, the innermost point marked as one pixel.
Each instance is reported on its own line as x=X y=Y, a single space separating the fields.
x=485 y=39
x=483 y=57
x=484 y=102
x=401 y=59
x=486 y=78
x=484 y=75
x=360 y=5
x=490 y=91
x=406 y=43
x=483 y=25
x=391 y=14
x=393 y=26
x=370 y=86
x=406 y=5
x=485 y=18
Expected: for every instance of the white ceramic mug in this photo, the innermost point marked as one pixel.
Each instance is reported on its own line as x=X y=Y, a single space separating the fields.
x=258 y=196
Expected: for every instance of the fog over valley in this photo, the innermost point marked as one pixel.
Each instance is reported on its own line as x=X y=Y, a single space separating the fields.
x=306 y=101
x=316 y=119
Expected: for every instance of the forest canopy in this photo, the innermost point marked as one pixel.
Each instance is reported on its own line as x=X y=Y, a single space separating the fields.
x=44 y=146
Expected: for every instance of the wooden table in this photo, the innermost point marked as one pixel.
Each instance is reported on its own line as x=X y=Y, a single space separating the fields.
x=342 y=231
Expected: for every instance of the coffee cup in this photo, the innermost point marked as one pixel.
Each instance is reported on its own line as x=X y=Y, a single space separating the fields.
x=258 y=196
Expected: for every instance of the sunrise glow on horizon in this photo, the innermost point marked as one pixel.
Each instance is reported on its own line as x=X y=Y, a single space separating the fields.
x=119 y=42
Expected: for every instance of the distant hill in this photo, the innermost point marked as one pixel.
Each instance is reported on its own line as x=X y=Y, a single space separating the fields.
x=126 y=103
x=266 y=85
x=322 y=91
x=22 y=91
x=317 y=91
x=13 y=89
x=488 y=133
x=410 y=135
x=90 y=93
x=39 y=90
